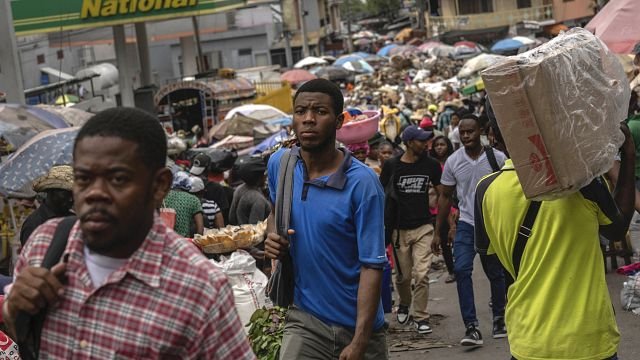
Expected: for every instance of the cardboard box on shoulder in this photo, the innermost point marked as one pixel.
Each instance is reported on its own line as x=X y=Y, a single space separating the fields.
x=559 y=109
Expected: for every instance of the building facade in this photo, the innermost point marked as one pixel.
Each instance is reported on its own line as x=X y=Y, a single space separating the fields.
x=476 y=16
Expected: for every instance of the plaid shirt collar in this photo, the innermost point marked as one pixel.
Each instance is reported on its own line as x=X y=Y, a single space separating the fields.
x=144 y=264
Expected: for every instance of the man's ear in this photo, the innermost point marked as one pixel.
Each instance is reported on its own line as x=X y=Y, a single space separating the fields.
x=339 y=120
x=161 y=185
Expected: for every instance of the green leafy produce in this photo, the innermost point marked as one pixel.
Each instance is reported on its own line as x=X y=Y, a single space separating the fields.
x=265 y=332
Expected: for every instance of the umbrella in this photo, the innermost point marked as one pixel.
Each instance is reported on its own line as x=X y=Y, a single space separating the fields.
x=525 y=40
x=271 y=141
x=375 y=59
x=465 y=52
x=297 y=76
x=71 y=116
x=331 y=72
x=362 y=54
x=506 y=45
x=362 y=42
x=429 y=45
x=364 y=34
x=346 y=58
x=616 y=25
x=67 y=99
x=36 y=157
x=330 y=59
x=19 y=123
x=385 y=50
x=310 y=61
x=358 y=66
x=404 y=50
x=442 y=51
x=257 y=111
x=469 y=44
x=478 y=63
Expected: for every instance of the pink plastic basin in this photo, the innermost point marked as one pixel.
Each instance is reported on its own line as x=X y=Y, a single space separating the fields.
x=359 y=131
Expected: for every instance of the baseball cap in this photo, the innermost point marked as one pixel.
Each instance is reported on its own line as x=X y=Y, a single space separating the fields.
x=200 y=164
x=415 y=133
x=636 y=49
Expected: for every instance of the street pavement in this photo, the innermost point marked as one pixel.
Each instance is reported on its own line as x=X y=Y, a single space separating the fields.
x=443 y=343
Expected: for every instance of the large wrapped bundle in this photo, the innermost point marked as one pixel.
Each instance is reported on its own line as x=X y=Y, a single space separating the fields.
x=559 y=108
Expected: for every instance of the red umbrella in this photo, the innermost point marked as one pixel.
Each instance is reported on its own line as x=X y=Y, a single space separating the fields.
x=469 y=44
x=616 y=25
x=429 y=45
x=297 y=76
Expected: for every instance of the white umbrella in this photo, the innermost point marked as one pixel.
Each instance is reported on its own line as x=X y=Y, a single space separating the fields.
x=478 y=63
x=310 y=61
x=525 y=40
x=257 y=111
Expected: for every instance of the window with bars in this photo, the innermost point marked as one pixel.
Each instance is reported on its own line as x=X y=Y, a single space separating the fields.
x=466 y=7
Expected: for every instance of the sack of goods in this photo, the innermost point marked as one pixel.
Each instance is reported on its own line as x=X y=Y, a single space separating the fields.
x=559 y=108
x=247 y=282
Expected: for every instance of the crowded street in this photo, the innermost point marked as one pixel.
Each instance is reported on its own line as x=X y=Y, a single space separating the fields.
x=320 y=179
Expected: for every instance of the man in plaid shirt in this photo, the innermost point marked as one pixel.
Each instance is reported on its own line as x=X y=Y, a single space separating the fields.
x=127 y=286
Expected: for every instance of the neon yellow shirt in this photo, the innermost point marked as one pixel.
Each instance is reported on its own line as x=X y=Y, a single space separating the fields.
x=559 y=306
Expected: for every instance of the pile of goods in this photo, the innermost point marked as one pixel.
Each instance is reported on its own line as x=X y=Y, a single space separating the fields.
x=231 y=238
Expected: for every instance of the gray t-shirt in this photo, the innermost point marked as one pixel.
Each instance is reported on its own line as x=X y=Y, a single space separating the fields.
x=249 y=206
x=464 y=173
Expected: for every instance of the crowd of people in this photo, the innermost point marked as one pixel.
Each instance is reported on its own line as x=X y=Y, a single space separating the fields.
x=127 y=284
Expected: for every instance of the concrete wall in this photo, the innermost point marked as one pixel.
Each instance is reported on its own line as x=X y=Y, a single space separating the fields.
x=449 y=6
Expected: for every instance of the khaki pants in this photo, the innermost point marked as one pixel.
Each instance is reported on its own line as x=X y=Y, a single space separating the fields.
x=413 y=249
x=307 y=337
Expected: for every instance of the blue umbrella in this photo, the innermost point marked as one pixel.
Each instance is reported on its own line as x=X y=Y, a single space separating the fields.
x=362 y=54
x=19 y=123
x=281 y=121
x=346 y=58
x=36 y=157
x=385 y=50
x=359 y=67
x=506 y=45
x=270 y=142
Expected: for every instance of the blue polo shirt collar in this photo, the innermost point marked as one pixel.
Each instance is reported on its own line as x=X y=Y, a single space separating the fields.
x=336 y=180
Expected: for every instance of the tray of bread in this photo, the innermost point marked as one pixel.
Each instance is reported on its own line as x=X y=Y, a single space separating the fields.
x=231 y=238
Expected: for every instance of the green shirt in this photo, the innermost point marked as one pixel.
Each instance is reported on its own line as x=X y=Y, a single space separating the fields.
x=186 y=207
x=634 y=126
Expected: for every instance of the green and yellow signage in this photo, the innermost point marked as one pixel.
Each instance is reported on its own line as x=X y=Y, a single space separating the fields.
x=38 y=16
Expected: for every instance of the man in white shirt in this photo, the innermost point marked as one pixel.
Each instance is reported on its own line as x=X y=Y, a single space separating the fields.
x=462 y=171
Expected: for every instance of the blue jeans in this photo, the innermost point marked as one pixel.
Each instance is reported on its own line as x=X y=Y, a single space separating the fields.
x=464 y=253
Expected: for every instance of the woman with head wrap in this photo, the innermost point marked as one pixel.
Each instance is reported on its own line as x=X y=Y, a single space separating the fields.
x=359 y=150
x=187 y=206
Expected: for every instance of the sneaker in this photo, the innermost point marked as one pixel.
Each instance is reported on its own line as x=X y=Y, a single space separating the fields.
x=451 y=278
x=423 y=327
x=403 y=314
x=472 y=337
x=499 y=329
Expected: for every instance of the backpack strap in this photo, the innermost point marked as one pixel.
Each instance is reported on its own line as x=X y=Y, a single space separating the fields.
x=284 y=194
x=491 y=156
x=524 y=233
x=28 y=327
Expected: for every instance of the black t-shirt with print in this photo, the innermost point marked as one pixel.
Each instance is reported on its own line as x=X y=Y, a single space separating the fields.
x=411 y=182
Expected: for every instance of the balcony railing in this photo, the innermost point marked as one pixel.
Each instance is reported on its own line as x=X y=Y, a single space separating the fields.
x=441 y=24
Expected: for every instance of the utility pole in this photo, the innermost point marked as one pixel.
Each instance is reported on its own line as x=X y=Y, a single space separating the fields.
x=349 y=39
x=303 y=29
x=201 y=63
x=287 y=37
x=10 y=70
x=421 y=9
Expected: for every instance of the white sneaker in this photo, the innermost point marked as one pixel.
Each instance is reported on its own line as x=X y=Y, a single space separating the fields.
x=403 y=314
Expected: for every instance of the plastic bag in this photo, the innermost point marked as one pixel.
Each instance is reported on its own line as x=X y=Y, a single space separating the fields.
x=247 y=282
x=630 y=293
x=559 y=109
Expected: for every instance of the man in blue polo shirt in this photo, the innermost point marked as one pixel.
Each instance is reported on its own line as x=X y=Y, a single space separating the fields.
x=336 y=240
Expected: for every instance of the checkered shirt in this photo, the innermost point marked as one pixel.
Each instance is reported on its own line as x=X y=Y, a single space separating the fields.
x=167 y=302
